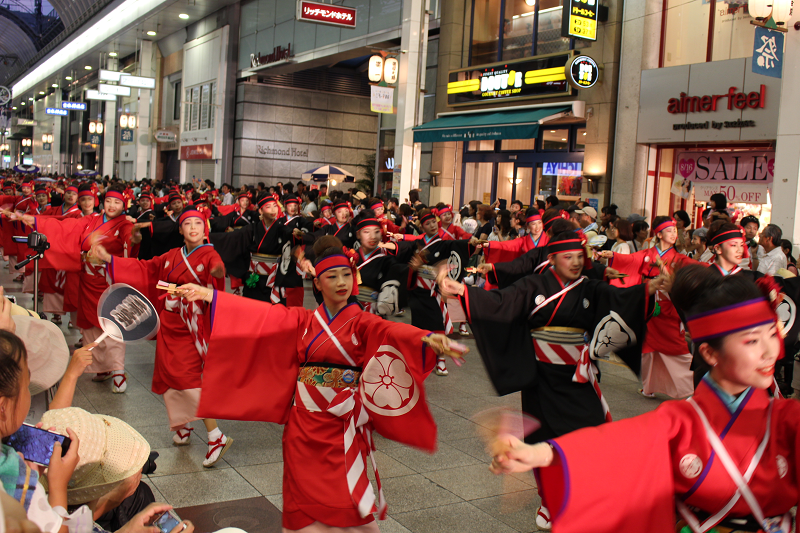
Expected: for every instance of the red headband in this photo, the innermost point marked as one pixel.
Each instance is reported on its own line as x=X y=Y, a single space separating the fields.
x=577 y=244
x=730 y=235
x=71 y=188
x=366 y=223
x=664 y=225
x=84 y=194
x=266 y=200
x=292 y=200
x=376 y=206
x=332 y=261
x=730 y=319
x=562 y=215
x=534 y=218
x=424 y=218
x=342 y=205
x=115 y=194
x=189 y=213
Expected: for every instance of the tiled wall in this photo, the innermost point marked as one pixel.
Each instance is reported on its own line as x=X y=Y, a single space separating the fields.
x=281 y=133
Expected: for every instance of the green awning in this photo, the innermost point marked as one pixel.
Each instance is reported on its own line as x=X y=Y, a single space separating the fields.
x=512 y=124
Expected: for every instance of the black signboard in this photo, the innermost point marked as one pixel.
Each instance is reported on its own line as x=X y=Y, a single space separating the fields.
x=579 y=19
x=536 y=77
x=582 y=72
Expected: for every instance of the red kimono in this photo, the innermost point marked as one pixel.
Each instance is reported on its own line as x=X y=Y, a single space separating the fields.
x=453 y=232
x=27 y=205
x=181 y=344
x=664 y=333
x=665 y=456
x=330 y=380
x=52 y=281
x=70 y=239
x=505 y=251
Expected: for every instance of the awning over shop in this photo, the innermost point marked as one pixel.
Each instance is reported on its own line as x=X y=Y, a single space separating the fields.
x=511 y=124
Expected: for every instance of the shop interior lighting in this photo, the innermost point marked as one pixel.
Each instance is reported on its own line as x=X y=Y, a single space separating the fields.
x=68 y=78
x=151 y=33
x=88 y=67
x=183 y=16
x=112 y=54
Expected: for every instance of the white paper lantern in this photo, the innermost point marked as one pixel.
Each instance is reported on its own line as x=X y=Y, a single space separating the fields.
x=92 y=127
x=759 y=9
x=123 y=121
x=375 y=68
x=781 y=11
x=391 y=68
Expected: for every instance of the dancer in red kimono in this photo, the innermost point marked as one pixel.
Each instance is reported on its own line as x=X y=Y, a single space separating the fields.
x=334 y=375
x=505 y=251
x=25 y=204
x=666 y=361
x=727 y=458
x=71 y=240
x=450 y=230
x=181 y=342
x=52 y=282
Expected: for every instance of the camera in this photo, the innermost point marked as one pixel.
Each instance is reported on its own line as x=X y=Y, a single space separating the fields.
x=35 y=241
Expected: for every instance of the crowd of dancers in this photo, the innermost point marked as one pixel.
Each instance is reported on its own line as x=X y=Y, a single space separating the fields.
x=545 y=291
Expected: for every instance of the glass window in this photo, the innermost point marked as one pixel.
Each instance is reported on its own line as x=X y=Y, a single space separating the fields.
x=517 y=145
x=485 y=31
x=187 y=112
x=549 y=39
x=176 y=103
x=518 y=29
x=480 y=146
x=505 y=177
x=686 y=39
x=213 y=109
x=555 y=139
x=478 y=182
x=524 y=183
x=665 y=183
x=565 y=176
x=195 y=108
x=204 y=101
x=733 y=33
x=580 y=139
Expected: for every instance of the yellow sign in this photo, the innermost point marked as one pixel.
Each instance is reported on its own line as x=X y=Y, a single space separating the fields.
x=581 y=27
x=579 y=19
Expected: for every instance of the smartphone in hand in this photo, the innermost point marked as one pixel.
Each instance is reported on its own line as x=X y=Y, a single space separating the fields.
x=36 y=445
x=167 y=522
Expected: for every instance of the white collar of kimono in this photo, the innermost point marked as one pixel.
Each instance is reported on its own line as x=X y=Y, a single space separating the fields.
x=333 y=338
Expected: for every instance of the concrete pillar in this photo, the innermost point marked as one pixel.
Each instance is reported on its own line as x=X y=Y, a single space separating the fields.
x=109 y=129
x=786 y=187
x=142 y=133
x=641 y=32
x=408 y=96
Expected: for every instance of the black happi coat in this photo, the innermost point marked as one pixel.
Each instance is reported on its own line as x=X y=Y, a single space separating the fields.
x=613 y=318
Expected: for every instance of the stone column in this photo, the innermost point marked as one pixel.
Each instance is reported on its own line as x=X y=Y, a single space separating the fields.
x=142 y=132
x=109 y=129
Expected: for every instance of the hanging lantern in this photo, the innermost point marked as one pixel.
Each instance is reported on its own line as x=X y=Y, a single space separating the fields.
x=131 y=121
x=391 y=68
x=375 y=68
x=99 y=128
x=781 y=11
x=759 y=9
x=44 y=138
x=123 y=121
x=92 y=127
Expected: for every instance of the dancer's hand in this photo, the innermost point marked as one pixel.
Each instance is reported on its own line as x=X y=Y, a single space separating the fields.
x=605 y=254
x=509 y=454
x=98 y=251
x=448 y=287
x=483 y=268
x=28 y=220
x=81 y=358
x=443 y=345
x=612 y=273
x=194 y=292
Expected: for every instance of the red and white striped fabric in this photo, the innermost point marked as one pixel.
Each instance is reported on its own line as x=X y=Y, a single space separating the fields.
x=97 y=270
x=190 y=313
x=430 y=284
x=61 y=279
x=568 y=354
x=358 y=444
x=270 y=270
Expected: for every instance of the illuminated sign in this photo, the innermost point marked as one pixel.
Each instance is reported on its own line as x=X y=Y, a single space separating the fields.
x=278 y=54
x=116 y=90
x=94 y=94
x=138 y=81
x=56 y=111
x=74 y=106
x=537 y=77
x=579 y=19
x=582 y=72
x=326 y=14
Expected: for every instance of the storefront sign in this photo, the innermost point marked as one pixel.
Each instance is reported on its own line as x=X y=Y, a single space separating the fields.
x=46 y=147
x=744 y=177
x=278 y=54
x=541 y=77
x=25 y=122
x=74 y=106
x=562 y=169
x=116 y=90
x=326 y=14
x=731 y=100
x=768 y=52
x=94 y=138
x=281 y=151
x=165 y=136
x=582 y=72
x=197 y=151
x=579 y=19
x=126 y=135
x=381 y=99
x=138 y=82
x=56 y=111
x=94 y=94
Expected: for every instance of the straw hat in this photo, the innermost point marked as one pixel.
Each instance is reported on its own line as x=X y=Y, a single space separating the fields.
x=48 y=353
x=110 y=451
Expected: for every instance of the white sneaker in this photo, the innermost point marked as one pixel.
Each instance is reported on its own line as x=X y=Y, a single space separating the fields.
x=543 y=519
x=182 y=436
x=646 y=395
x=462 y=330
x=216 y=449
x=441 y=367
x=119 y=383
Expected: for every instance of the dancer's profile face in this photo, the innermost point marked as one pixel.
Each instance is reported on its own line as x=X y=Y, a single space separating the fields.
x=731 y=250
x=668 y=236
x=745 y=358
x=535 y=228
x=336 y=285
x=446 y=218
